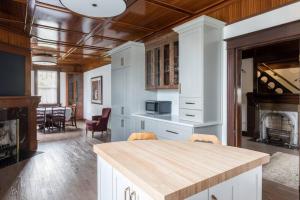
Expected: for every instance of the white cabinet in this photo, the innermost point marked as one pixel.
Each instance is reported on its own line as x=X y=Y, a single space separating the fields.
x=128 y=84
x=222 y=191
x=200 y=65
x=113 y=185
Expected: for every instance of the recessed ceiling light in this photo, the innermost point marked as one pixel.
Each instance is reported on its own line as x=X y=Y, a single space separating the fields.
x=96 y=8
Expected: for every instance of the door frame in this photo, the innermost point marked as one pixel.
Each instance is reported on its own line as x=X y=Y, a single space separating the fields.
x=235 y=46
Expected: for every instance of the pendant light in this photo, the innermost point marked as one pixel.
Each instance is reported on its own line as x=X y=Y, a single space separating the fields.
x=95 y=8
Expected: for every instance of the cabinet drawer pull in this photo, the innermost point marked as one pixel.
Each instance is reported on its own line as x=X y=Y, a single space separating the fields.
x=133 y=194
x=126 y=191
x=188 y=115
x=122 y=110
x=172 y=132
x=122 y=123
x=143 y=125
x=190 y=103
x=213 y=197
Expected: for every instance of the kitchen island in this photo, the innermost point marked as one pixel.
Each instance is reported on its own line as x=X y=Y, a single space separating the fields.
x=178 y=170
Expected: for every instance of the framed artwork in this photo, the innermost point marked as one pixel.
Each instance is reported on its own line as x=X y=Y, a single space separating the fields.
x=97 y=90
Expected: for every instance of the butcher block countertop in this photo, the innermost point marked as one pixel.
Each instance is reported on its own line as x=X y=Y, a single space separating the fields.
x=169 y=170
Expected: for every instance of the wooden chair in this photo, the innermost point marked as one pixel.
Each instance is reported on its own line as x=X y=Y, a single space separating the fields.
x=59 y=117
x=142 y=136
x=41 y=118
x=205 y=138
x=73 y=119
x=98 y=123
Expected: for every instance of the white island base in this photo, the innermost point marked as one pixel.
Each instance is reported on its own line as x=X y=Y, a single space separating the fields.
x=112 y=185
x=174 y=170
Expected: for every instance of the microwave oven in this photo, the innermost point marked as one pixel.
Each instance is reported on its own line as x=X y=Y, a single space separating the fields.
x=158 y=107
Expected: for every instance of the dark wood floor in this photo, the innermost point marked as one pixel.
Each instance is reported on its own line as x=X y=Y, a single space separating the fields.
x=66 y=170
x=62 y=170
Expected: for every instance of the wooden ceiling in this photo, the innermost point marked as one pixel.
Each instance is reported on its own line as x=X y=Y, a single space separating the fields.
x=84 y=41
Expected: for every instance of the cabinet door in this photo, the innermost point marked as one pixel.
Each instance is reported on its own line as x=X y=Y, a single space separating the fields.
x=122 y=187
x=150 y=80
x=222 y=191
x=117 y=128
x=200 y=196
x=105 y=179
x=248 y=186
x=118 y=91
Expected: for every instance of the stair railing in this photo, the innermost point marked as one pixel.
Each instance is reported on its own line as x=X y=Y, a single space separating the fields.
x=280 y=76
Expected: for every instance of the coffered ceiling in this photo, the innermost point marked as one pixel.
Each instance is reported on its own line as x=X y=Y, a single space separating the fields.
x=84 y=41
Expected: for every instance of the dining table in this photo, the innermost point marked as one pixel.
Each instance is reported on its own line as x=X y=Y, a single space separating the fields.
x=49 y=111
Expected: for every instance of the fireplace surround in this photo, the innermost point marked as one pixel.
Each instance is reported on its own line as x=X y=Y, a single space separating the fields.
x=22 y=111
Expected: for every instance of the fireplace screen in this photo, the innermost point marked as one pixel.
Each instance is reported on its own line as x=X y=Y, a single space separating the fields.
x=9 y=145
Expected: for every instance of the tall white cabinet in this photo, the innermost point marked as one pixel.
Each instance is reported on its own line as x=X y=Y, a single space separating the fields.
x=128 y=87
x=200 y=65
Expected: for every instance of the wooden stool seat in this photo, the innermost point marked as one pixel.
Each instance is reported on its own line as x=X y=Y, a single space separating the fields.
x=205 y=138
x=142 y=136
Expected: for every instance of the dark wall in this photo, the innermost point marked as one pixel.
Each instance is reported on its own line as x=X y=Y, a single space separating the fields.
x=12 y=74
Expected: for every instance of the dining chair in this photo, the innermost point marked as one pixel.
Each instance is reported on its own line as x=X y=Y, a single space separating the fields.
x=41 y=118
x=74 y=115
x=205 y=138
x=59 y=118
x=142 y=136
x=98 y=123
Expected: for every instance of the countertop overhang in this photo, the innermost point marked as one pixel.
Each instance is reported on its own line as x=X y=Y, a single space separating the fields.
x=170 y=170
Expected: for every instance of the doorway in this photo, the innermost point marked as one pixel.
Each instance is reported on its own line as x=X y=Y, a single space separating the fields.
x=263 y=103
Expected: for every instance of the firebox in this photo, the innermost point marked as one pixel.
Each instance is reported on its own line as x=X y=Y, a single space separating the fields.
x=279 y=127
x=13 y=132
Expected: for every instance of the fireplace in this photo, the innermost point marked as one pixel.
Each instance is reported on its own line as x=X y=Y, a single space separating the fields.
x=279 y=127
x=17 y=128
x=13 y=134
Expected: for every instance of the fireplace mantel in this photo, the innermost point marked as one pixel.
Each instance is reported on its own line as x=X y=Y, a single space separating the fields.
x=30 y=102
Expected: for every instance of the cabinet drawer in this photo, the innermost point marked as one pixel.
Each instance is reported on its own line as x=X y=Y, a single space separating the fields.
x=191 y=115
x=174 y=132
x=191 y=103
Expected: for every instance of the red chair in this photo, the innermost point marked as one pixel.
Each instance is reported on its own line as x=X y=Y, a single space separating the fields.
x=98 y=123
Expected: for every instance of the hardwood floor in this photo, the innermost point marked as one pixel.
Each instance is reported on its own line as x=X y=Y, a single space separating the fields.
x=61 y=170
x=66 y=170
x=273 y=190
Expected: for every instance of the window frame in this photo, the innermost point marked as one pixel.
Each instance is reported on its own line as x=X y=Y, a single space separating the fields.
x=58 y=85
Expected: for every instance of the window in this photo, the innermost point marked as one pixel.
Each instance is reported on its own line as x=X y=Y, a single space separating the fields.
x=47 y=86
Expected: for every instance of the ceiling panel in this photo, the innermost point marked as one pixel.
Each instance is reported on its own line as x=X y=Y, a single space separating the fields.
x=122 y=31
x=56 y=35
x=64 y=20
x=191 y=5
x=150 y=16
x=97 y=41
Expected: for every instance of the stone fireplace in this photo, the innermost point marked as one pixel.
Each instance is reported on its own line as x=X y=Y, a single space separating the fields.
x=279 y=127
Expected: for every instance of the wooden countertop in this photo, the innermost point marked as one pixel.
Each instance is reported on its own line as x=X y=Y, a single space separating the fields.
x=173 y=170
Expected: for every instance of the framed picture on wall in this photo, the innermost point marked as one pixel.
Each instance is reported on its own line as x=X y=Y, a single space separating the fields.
x=97 y=90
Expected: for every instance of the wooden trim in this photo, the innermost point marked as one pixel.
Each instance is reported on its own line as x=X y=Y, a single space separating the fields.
x=235 y=46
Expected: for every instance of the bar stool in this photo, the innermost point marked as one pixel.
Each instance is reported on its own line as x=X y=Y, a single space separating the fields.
x=205 y=138
x=142 y=136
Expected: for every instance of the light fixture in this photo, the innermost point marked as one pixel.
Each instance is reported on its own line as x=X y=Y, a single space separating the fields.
x=95 y=8
x=44 y=59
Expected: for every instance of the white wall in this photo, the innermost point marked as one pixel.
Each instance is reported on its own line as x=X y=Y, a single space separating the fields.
x=170 y=95
x=96 y=109
x=247 y=86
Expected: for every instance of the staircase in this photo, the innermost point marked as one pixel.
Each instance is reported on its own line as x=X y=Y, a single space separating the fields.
x=270 y=81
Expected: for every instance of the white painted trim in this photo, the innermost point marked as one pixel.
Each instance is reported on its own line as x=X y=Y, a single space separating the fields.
x=199 y=23
x=125 y=46
x=273 y=18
